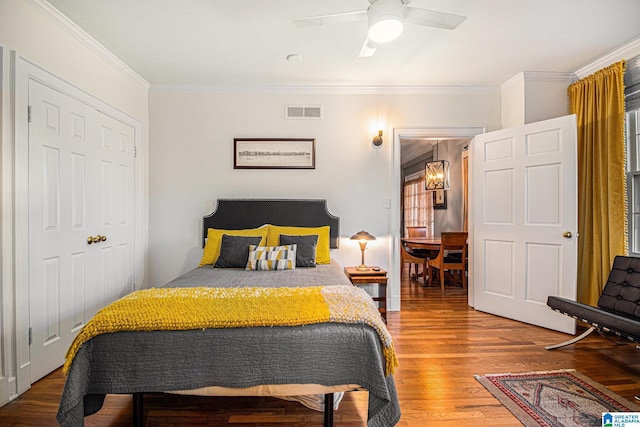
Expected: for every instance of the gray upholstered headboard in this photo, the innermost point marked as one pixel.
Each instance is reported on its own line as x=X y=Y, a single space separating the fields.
x=236 y=214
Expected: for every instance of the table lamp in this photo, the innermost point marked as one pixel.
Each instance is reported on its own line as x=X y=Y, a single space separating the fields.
x=363 y=237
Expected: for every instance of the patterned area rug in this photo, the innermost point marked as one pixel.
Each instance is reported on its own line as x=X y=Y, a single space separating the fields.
x=555 y=398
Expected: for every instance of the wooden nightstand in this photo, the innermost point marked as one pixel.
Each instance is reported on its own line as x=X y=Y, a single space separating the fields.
x=371 y=276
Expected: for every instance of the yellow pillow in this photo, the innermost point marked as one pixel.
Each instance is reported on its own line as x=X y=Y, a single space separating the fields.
x=323 y=254
x=214 y=241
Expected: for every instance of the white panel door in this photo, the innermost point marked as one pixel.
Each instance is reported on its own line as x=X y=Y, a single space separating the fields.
x=114 y=198
x=525 y=221
x=80 y=186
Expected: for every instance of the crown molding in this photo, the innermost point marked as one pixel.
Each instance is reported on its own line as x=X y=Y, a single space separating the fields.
x=549 y=77
x=328 y=90
x=539 y=77
x=628 y=51
x=518 y=78
x=62 y=21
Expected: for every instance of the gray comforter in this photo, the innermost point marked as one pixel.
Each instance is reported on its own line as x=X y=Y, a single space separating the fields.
x=322 y=275
x=327 y=354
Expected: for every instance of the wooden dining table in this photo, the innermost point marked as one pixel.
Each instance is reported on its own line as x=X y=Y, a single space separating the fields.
x=430 y=243
x=424 y=243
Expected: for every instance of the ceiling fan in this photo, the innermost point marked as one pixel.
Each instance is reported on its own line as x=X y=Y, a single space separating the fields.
x=386 y=19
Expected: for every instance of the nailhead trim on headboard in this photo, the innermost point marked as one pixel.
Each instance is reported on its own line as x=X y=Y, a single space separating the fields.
x=235 y=214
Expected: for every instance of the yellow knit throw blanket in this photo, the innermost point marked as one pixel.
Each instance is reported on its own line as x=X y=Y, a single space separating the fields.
x=201 y=307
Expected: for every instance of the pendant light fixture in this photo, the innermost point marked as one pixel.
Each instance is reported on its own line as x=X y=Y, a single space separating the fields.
x=437 y=173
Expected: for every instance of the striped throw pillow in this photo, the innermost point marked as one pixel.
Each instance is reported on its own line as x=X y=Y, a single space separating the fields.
x=272 y=257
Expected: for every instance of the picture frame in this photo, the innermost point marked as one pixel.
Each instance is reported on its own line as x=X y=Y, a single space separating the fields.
x=439 y=199
x=274 y=153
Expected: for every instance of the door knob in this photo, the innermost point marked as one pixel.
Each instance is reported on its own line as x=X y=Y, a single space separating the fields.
x=96 y=239
x=566 y=234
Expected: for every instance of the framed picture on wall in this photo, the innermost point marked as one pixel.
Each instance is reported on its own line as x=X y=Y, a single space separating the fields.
x=439 y=199
x=274 y=153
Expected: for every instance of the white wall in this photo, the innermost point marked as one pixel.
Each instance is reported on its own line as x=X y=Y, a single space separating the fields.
x=191 y=160
x=531 y=97
x=32 y=30
x=513 y=101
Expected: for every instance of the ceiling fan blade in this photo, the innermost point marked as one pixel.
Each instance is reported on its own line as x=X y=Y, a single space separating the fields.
x=368 y=48
x=335 y=18
x=431 y=18
x=405 y=2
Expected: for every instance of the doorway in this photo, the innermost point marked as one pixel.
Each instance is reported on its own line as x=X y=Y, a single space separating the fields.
x=430 y=135
x=445 y=209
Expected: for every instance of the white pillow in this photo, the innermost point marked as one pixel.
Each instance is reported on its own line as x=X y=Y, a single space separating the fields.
x=272 y=257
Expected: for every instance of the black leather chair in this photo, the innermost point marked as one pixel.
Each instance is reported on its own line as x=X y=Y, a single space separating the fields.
x=618 y=309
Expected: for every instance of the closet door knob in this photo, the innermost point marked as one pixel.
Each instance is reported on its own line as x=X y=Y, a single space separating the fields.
x=96 y=239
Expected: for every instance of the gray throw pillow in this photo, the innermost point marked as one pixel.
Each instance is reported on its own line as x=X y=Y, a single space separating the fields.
x=306 y=250
x=234 y=251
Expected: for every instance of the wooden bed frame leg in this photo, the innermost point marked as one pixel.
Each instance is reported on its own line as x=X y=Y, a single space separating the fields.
x=328 y=410
x=138 y=409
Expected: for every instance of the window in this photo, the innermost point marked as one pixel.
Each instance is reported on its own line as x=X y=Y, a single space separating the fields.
x=417 y=205
x=633 y=181
x=632 y=105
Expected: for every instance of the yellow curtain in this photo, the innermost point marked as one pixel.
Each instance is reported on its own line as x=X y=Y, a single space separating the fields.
x=598 y=102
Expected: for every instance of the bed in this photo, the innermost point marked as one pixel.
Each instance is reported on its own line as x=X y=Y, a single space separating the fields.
x=297 y=359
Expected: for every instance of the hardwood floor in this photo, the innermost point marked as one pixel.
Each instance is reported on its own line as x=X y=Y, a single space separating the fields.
x=441 y=343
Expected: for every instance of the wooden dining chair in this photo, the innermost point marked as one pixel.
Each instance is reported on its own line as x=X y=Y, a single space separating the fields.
x=407 y=256
x=416 y=231
x=451 y=241
x=420 y=231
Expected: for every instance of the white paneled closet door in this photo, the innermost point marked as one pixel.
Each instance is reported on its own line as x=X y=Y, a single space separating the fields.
x=81 y=210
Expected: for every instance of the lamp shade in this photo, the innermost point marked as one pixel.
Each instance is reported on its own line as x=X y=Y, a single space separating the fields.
x=363 y=235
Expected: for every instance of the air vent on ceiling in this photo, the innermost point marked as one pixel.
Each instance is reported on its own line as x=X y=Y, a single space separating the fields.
x=303 y=112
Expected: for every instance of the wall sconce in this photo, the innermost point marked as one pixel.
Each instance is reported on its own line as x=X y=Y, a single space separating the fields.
x=377 y=140
x=437 y=174
x=363 y=237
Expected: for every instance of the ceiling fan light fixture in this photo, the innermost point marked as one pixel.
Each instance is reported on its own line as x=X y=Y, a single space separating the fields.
x=385 y=30
x=385 y=20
